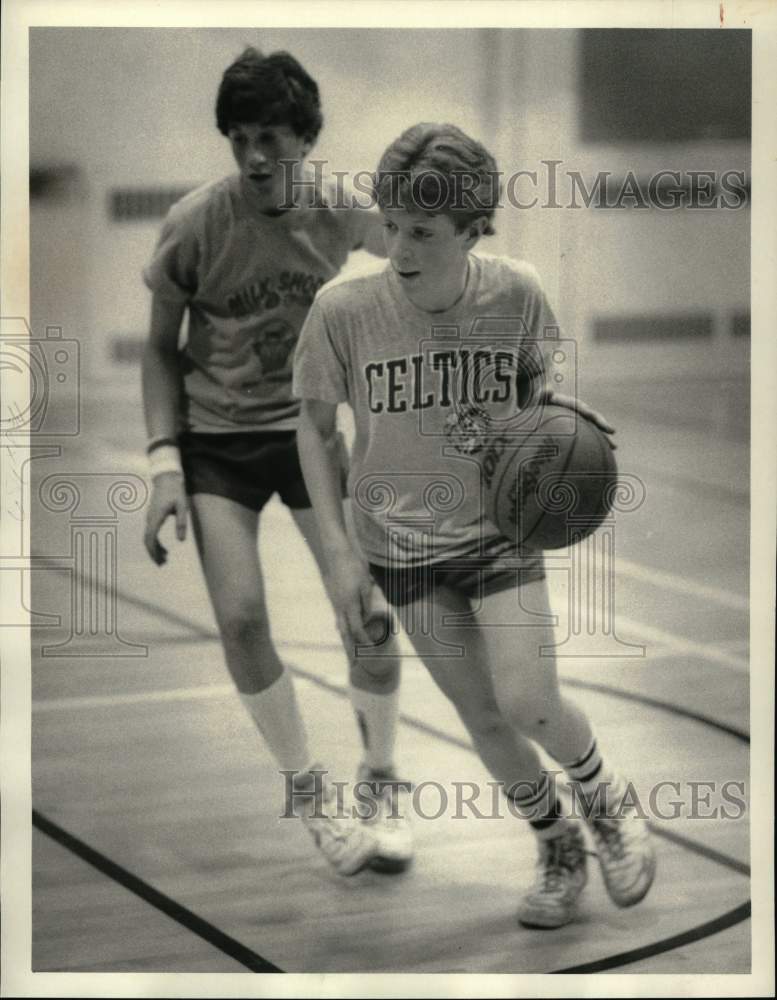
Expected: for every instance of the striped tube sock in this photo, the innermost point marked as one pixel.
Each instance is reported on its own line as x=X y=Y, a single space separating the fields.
x=597 y=788
x=536 y=801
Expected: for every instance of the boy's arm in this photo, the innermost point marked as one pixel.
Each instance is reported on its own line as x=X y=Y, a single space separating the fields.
x=162 y=407
x=539 y=391
x=161 y=374
x=349 y=583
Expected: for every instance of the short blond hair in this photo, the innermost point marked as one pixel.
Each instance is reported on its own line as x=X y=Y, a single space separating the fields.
x=440 y=170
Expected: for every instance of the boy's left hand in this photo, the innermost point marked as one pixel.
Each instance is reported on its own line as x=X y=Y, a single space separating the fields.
x=584 y=410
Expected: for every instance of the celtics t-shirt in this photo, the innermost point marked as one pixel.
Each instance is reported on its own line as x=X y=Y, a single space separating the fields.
x=426 y=389
x=248 y=280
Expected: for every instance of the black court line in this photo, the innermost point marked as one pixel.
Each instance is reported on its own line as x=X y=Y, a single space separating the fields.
x=723 y=859
x=644 y=699
x=728 y=919
x=215 y=937
x=708 y=852
x=140 y=602
x=616 y=692
x=676 y=838
x=664 y=706
x=698 y=933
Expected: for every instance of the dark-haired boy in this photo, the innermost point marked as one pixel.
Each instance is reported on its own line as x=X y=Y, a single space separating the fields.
x=221 y=418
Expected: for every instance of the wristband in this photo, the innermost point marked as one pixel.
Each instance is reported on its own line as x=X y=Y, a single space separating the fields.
x=164 y=458
x=160 y=442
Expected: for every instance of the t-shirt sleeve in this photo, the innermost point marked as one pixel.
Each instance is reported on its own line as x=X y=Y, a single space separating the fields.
x=319 y=370
x=172 y=270
x=541 y=329
x=539 y=316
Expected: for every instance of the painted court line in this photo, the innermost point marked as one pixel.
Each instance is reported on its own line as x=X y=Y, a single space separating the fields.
x=644 y=633
x=678 y=644
x=681 y=584
x=199 y=693
x=159 y=900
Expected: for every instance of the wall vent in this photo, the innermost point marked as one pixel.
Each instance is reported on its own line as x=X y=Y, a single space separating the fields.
x=646 y=327
x=136 y=204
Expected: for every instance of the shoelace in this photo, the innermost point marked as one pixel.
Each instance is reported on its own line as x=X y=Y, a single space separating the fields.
x=558 y=854
x=610 y=834
x=327 y=827
x=330 y=819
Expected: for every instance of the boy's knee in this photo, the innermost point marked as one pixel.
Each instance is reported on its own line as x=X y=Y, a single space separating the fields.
x=245 y=629
x=531 y=718
x=485 y=723
x=380 y=676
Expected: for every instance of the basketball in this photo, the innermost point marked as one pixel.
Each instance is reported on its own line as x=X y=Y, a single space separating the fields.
x=551 y=486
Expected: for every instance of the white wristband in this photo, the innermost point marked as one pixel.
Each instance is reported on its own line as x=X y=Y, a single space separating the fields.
x=167 y=458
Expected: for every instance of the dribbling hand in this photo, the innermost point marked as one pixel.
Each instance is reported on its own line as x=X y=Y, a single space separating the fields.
x=572 y=403
x=168 y=497
x=350 y=587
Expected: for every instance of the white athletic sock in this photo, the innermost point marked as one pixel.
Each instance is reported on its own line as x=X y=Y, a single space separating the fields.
x=275 y=712
x=601 y=787
x=537 y=802
x=376 y=715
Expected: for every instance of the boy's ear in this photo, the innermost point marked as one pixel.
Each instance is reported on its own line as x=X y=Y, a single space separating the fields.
x=476 y=228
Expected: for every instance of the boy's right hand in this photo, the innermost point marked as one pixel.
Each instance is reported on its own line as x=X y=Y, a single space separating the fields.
x=350 y=587
x=168 y=496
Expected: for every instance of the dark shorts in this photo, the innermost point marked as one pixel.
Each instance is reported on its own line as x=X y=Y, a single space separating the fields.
x=473 y=576
x=245 y=467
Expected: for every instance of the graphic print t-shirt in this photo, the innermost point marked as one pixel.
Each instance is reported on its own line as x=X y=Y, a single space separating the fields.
x=425 y=388
x=248 y=280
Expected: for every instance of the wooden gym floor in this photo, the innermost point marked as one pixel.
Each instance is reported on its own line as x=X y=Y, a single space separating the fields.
x=157 y=845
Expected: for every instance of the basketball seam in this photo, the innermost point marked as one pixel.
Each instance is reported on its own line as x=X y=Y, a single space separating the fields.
x=564 y=468
x=541 y=518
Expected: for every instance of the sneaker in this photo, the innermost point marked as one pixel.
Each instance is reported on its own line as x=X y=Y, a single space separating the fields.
x=561 y=877
x=626 y=855
x=345 y=842
x=385 y=810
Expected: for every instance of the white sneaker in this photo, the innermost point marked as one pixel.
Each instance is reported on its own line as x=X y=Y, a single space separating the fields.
x=561 y=877
x=385 y=812
x=626 y=855
x=346 y=843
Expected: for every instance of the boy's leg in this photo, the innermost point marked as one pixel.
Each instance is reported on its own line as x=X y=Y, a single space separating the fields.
x=374 y=694
x=464 y=678
x=527 y=690
x=526 y=682
x=373 y=680
x=511 y=758
x=226 y=534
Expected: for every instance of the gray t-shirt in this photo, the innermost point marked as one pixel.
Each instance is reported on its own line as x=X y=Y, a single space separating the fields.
x=424 y=388
x=248 y=280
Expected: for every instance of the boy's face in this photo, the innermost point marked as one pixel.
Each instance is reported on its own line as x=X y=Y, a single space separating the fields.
x=427 y=253
x=258 y=150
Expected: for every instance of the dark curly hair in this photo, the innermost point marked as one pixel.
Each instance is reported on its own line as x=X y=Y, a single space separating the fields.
x=269 y=90
x=441 y=170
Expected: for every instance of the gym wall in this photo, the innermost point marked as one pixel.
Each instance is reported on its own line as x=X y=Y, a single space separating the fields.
x=122 y=122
